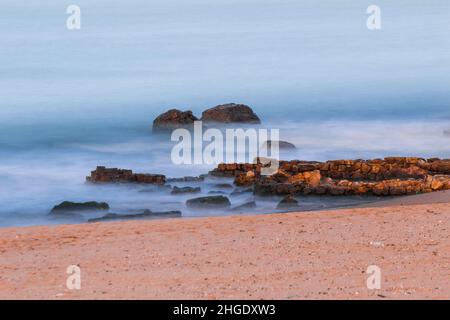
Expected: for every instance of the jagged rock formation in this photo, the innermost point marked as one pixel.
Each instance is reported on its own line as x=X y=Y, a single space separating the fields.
x=114 y=175
x=382 y=177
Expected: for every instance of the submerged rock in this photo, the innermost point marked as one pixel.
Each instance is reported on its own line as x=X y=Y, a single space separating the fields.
x=187 y=179
x=173 y=119
x=288 y=202
x=216 y=192
x=136 y=216
x=223 y=185
x=68 y=207
x=284 y=145
x=230 y=113
x=210 y=202
x=180 y=190
x=238 y=191
x=245 y=206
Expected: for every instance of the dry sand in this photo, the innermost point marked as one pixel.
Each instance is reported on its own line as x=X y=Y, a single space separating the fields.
x=316 y=255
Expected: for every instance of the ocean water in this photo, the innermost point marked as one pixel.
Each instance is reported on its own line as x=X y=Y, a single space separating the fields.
x=72 y=100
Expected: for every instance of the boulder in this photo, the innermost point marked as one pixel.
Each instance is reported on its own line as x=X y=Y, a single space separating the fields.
x=210 y=202
x=230 y=113
x=282 y=145
x=68 y=207
x=180 y=190
x=288 y=202
x=174 y=119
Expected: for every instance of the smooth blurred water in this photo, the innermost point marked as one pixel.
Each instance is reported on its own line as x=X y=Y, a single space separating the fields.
x=72 y=100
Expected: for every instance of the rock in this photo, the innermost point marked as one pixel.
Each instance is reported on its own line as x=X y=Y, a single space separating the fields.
x=392 y=176
x=186 y=179
x=162 y=187
x=288 y=202
x=216 y=192
x=282 y=145
x=114 y=175
x=310 y=178
x=68 y=207
x=440 y=166
x=245 y=179
x=238 y=191
x=136 y=216
x=230 y=113
x=223 y=185
x=245 y=206
x=210 y=202
x=180 y=190
x=173 y=119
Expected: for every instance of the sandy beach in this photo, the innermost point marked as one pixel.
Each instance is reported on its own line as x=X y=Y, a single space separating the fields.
x=316 y=255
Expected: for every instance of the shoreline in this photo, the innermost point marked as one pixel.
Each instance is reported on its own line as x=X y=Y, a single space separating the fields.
x=297 y=255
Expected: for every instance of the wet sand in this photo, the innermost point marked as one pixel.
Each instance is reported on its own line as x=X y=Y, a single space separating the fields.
x=315 y=255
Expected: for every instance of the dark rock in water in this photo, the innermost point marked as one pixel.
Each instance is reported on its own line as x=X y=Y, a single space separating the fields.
x=136 y=216
x=238 y=192
x=115 y=175
x=230 y=113
x=216 y=192
x=173 y=119
x=180 y=190
x=211 y=202
x=223 y=185
x=248 y=205
x=288 y=202
x=187 y=179
x=163 y=187
x=284 y=145
x=74 y=207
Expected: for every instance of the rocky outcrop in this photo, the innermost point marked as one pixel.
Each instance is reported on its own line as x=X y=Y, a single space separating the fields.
x=114 y=175
x=173 y=119
x=146 y=214
x=68 y=207
x=382 y=177
x=231 y=170
x=230 y=113
x=211 y=202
